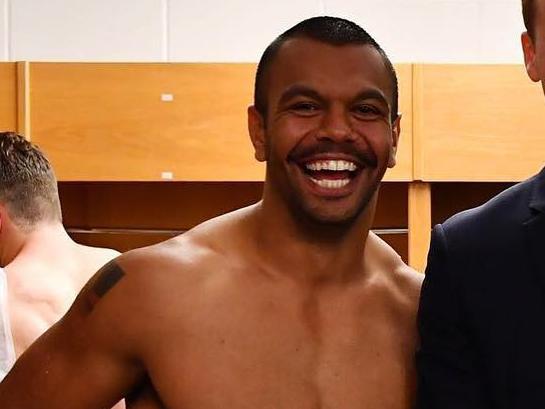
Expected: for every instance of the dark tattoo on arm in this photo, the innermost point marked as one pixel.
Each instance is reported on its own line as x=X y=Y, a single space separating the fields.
x=107 y=277
x=104 y=280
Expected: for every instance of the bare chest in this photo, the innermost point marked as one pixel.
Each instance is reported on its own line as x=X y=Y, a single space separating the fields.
x=285 y=358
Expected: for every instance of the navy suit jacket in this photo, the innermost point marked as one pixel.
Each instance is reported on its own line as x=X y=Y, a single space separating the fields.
x=482 y=309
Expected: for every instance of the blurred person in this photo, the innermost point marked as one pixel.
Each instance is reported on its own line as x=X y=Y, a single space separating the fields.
x=41 y=268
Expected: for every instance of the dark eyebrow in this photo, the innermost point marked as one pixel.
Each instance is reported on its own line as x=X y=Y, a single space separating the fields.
x=299 y=90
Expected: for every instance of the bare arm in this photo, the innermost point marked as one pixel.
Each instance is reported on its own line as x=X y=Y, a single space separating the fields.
x=89 y=359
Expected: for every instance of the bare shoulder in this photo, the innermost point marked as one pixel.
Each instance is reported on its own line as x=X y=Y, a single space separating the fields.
x=131 y=291
x=182 y=262
x=409 y=282
x=182 y=254
x=174 y=272
x=400 y=280
x=174 y=258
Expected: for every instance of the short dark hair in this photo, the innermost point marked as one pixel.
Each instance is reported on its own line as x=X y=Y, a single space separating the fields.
x=329 y=30
x=528 y=13
x=28 y=186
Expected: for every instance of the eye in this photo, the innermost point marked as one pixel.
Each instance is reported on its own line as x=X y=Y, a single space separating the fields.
x=304 y=107
x=367 y=111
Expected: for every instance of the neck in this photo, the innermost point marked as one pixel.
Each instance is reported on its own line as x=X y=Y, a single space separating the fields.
x=311 y=252
x=43 y=243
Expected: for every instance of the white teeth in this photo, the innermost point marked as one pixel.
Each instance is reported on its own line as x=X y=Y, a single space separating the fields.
x=330 y=183
x=334 y=165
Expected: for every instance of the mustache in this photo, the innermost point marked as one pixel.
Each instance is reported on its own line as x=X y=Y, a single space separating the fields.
x=300 y=153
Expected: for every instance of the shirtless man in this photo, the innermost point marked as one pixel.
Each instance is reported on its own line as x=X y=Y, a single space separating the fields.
x=41 y=268
x=288 y=304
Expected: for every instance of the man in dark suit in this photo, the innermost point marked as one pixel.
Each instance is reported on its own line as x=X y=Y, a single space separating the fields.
x=482 y=308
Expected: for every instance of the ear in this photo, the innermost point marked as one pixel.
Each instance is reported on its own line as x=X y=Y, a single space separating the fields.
x=396 y=129
x=256 y=128
x=529 y=51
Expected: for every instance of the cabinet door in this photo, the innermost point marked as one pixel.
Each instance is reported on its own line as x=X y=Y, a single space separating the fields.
x=477 y=123
x=8 y=97
x=144 y=121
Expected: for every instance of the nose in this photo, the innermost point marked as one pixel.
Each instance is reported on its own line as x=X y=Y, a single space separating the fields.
x=335 y=126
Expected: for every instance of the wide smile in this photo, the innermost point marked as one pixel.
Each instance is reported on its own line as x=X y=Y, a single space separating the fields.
x=330 y=177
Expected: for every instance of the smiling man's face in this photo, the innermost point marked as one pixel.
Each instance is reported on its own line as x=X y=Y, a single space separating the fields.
x=328 y=136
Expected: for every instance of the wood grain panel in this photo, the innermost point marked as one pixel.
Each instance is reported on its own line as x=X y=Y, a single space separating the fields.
x=108 y=122
x=152 y=205
x=477 y=123
x=8 y=96
x=182 y=205
x=23 y=99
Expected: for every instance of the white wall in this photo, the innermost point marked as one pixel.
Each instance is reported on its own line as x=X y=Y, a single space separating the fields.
x=474 y=31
